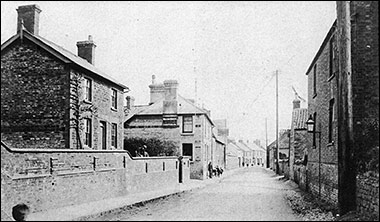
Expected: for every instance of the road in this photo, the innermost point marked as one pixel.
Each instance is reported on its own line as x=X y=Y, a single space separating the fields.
x=252 y=193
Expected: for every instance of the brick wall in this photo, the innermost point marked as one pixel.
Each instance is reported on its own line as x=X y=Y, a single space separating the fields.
x=32 y=177
x=34 y=98
x=367 y=195
x=322 y=166
x=365 y=80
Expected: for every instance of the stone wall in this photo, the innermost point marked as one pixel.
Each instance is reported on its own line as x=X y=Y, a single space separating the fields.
x=51 y=178
x=367 y=195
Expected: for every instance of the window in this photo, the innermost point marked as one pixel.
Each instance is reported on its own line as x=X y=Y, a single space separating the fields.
x=88 y=89
x=314 y=137
x=88 y=132
x=187 y=124
x=331 y=119
x=114 y=135
x=331 y=52
x=315 y=80
x=114 y=99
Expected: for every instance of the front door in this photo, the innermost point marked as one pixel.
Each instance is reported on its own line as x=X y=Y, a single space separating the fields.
x=103 y=135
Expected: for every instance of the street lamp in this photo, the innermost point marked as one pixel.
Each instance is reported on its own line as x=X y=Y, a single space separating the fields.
x=311 y=129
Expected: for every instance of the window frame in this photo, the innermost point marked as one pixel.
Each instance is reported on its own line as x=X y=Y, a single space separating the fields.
x=88 y=132
x=88 y=89
x=114 y=135
x=183 y=124
x=331 y=119
x=113 y=99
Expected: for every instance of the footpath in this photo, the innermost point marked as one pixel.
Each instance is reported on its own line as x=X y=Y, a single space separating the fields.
x=86 y=211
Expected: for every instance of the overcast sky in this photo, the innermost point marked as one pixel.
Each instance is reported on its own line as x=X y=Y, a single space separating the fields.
x=231 y=49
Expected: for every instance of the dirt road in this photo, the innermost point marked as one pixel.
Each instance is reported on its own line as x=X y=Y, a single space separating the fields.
x=251 y=194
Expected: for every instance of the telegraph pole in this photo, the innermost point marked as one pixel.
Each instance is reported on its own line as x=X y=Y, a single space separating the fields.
x=277 y=151
x=266 y=143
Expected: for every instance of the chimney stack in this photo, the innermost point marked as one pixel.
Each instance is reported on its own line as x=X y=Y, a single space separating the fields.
x=296 y=103
x=30 y=15
x=86 y=50
x=157 y=91
x=130 y=102
x=170 y=102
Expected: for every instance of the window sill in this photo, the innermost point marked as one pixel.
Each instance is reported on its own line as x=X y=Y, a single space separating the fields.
x=187 y=134
x=330 y=144
x=86 y=101
x=331 y=77
x=113 y=109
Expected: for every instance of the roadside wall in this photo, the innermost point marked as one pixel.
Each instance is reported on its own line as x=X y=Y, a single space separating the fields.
x=367 y=195
x=51 y=178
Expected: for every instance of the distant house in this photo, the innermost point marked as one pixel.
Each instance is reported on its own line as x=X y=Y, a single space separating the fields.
x=169 y=116
x=248 y=159
x=218 y=152
x=299 y=144
x=54 y=99
x=283 y=147
x=259 y=153
x=234 y=155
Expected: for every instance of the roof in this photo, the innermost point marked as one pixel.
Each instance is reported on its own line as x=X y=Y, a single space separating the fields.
x=185 y=106
x=283 y=141
x=254 y=146
x=242 y=146
x=61 y=53
x=233 y=150
x=320 y=50
x=299 y=118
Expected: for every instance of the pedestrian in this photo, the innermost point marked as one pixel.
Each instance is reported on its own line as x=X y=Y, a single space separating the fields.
x=20 y=212
x=210 y=169
x=144 y=151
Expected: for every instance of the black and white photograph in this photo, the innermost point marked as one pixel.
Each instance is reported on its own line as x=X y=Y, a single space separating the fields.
x=189 y=111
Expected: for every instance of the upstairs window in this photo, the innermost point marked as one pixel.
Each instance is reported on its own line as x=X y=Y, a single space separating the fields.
x=187 y=124
x=114 y=135
x=331 y=119
x=87 y=89
x=88 y=132
x=114 y=99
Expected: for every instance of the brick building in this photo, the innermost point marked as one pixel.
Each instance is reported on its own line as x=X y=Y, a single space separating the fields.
x=52 y=98
x=343 y=97
x=171 y=117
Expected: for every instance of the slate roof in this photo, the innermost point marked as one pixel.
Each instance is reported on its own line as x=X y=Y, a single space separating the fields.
x=185 y=106
x=61 y=53
x=233 y=149
x=283 y=142
x=299 y=118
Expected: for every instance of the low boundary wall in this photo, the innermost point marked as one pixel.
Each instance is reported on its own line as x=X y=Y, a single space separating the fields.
x=51 y=178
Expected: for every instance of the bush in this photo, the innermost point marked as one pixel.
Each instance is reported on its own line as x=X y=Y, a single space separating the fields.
x=155 y=146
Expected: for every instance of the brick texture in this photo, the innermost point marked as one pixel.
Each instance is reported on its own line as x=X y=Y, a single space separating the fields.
x=28 y=176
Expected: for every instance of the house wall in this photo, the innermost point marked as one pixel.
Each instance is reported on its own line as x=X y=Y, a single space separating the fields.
x=37 y=101
x=322 y=168
x=151 y=127
x=34 y=98
x=99 y=109
x=32 y=177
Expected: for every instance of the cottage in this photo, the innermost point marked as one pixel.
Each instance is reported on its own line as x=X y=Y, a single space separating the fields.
x=52 y=98
x=171 y=117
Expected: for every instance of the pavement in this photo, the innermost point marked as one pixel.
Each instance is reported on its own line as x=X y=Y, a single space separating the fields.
x=89 y=210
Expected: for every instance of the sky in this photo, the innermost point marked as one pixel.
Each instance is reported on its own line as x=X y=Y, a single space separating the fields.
x=223 y=54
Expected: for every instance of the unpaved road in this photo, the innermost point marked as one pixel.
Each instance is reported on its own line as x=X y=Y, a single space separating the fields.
x=251 y=194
